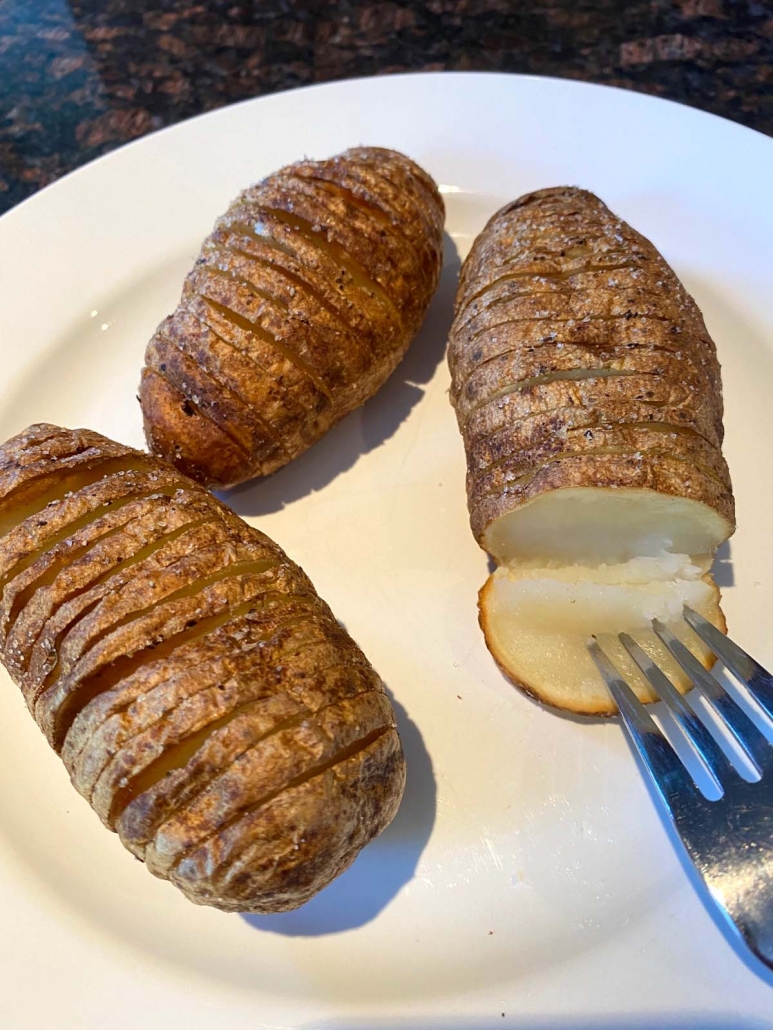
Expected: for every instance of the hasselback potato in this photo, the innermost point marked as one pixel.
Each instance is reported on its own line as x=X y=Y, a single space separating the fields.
x=588 y=394
x=202 y=696
x=303 y=300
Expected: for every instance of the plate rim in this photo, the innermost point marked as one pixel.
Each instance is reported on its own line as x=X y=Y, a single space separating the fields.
x=579 y=84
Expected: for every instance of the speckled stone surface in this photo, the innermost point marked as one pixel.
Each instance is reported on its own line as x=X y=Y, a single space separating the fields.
x=78 y=79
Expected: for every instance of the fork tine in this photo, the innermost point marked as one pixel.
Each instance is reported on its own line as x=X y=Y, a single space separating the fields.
x=738 y=722
x=757 y=680
x=670 y=776
x=689 y=719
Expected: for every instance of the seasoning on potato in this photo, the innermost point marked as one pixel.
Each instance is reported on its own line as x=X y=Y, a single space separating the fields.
x=303 y=300
x=202 y=696
x=587 y=391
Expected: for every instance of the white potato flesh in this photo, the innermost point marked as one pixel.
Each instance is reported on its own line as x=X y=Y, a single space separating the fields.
x=590 y=525
x=538 y=620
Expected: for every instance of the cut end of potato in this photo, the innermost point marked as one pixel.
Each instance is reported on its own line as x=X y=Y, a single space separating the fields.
x=592 y=525
x=537 y=622
x=585 y=562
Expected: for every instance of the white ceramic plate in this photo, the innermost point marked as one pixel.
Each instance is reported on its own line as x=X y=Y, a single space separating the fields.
x=527 y=880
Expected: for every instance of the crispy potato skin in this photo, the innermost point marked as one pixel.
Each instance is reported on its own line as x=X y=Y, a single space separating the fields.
x=201 y=695
x=578 y=359
x=303 y=300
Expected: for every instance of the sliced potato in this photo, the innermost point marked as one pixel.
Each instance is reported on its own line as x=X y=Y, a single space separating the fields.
x=304 y=299
x=631 y=475
x=588 y=396
x=192 y=680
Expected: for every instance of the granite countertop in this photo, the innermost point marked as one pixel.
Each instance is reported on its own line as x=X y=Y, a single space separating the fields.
x=78 y=79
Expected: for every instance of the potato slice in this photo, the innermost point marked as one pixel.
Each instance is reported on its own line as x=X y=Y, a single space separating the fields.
x=537 y=622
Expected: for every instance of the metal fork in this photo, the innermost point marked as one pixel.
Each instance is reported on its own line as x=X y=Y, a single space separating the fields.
x=730 y=840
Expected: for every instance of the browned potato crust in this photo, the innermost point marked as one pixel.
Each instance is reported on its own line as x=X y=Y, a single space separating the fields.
x=499 y=378
x=546 y=426
x=304 y=298
x=202 y=696
x=639 y=444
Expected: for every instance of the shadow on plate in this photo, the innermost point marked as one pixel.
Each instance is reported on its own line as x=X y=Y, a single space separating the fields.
x=372 y=424
x=723 y=567
x=383 y=868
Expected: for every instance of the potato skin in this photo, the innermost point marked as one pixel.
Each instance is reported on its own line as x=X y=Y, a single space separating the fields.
x=201 y=695
x=303 y=300
x=578 y=359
